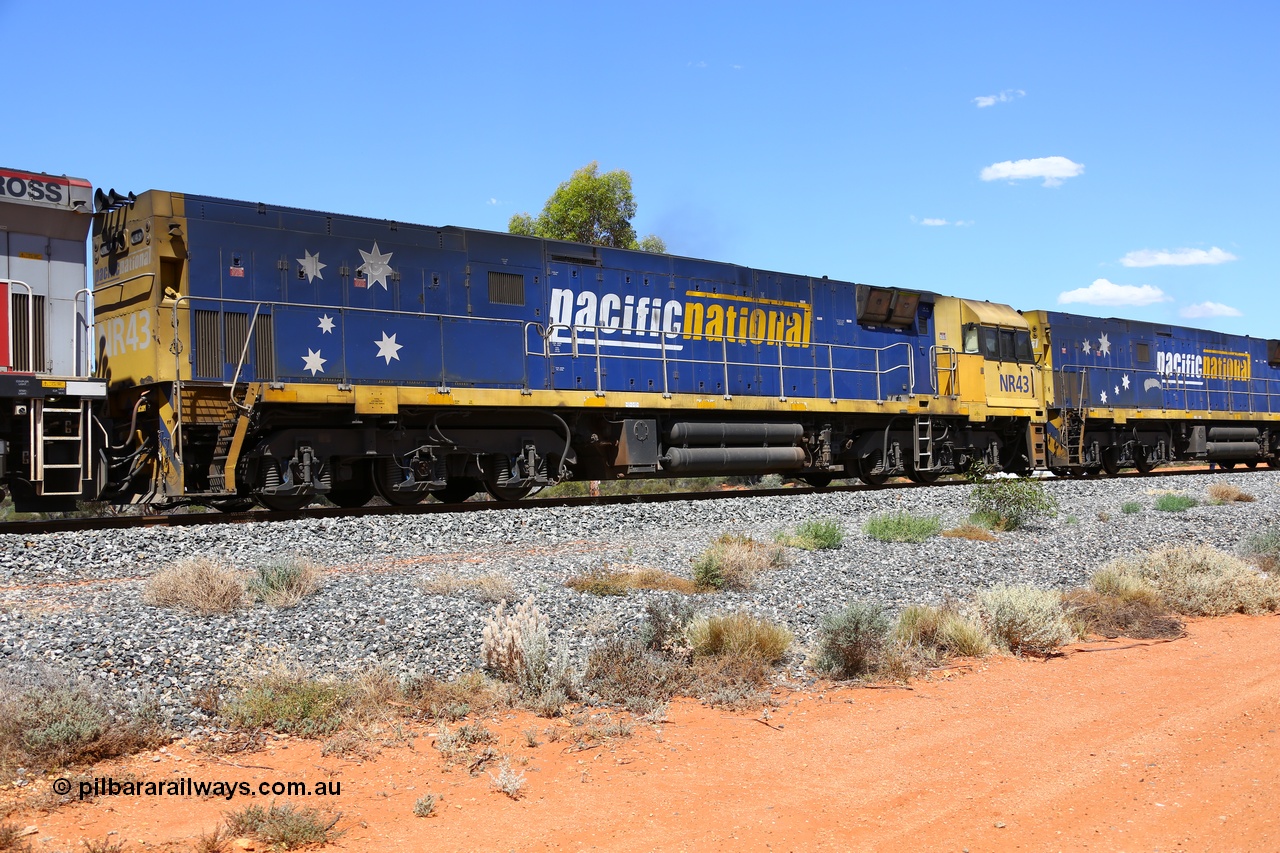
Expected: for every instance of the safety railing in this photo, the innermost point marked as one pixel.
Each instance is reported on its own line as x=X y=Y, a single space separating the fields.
x=952 y=370
x=1194 y=393
x=589 y=337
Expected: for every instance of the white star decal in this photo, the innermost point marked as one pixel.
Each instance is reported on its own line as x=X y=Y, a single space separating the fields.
x=1124 y=380
x=326 y=324
x=1104 y=345
x=314 y=362
x=1117 y=390
x=388 y=348
x=1086 y=346
x=375 y=266
x=311 y=265
x=1104 y=397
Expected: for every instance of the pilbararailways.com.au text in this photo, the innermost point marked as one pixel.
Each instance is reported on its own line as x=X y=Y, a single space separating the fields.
x=105 y=786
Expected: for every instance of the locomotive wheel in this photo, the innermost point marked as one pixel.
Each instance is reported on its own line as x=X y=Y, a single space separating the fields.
x=1252 y=464
x=506 y=494
x=922 y=477
x=457 y=490
x=1140 y=460
x=818 y=481
x=1274 y=461
x=865 y=464
x=284 y=503
x=1227 y=466
x=1111 y=462
x=386 y=473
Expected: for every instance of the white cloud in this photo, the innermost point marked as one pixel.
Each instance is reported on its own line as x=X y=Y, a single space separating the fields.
x=928 y=221
x=493 y=201
x=1053 y=169
x=963 y=223
x=1003 y=98
x=1103 y=292
x=1176 y=257
x=1210 y=309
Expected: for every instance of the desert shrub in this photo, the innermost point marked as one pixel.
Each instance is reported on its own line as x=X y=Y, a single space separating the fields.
x=453 y=700
x=507 y=781
x=1130 y=507
x=1175 y=503
x=1094 y=612
x=424 y=806
x=490 y=588
x=12 y=839
x=730 y=681
x=902 y=526
x=285 y=826
x=49 y=722
x=970 y=531
x=850 y=642
x=1225 y=493
x=289 y=701
x=1263 y=549
x=665 y=626
x=815 y=535
x=1007 y=503
x=734 y=562
x=1024 y=619
x=198 y=585
x=625 y=671
x=738 y=635
x=284 y=583
x=1202 y=581
x=941 y=630
x=606 y=581
x=518 y=647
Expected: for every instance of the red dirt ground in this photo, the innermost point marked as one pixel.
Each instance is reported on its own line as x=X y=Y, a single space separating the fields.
x=1115 y=746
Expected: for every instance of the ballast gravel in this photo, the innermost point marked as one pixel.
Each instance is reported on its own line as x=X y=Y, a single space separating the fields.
x=72 y=602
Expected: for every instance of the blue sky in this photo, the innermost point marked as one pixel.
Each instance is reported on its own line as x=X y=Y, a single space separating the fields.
x=1120 y=155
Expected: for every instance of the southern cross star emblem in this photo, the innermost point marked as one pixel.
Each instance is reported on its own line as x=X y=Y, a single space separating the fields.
x=1104 y=345
x=311 y=265
x=1086 y=346
x=326 y=324
x=388 y=348
x=375 y=267
x=313 y=361
x=1104 y=397
x=1124 y=380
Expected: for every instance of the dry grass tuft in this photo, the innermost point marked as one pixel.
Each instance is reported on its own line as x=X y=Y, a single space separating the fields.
x=941 y=631
x=1202 y=581
x=198 y=585
x=1225 y=493
x=1095 y=612
x=970 y=531
x=608 y=581
x=734 y=562
x=738 y=635
x=490 y=588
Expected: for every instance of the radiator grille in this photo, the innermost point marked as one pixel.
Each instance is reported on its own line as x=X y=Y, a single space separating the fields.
x=208 y=351
x=235 y=333
x=264 y=347
x=21 y=335
x=506 y=288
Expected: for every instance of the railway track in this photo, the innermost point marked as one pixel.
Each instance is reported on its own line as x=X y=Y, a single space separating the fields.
x=174 y=519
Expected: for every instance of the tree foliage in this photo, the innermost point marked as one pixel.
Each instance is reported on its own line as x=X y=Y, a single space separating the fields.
x=589 y=208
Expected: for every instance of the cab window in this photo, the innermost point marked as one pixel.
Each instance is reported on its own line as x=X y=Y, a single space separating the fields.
x=971 y=339
x=1022 y=347
x=990 y=341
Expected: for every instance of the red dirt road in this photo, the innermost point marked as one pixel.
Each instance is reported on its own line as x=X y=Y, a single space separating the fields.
x=1118 y=746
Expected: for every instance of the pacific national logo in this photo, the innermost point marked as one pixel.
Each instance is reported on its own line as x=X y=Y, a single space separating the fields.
x=1210 y=364
x=638 y=323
